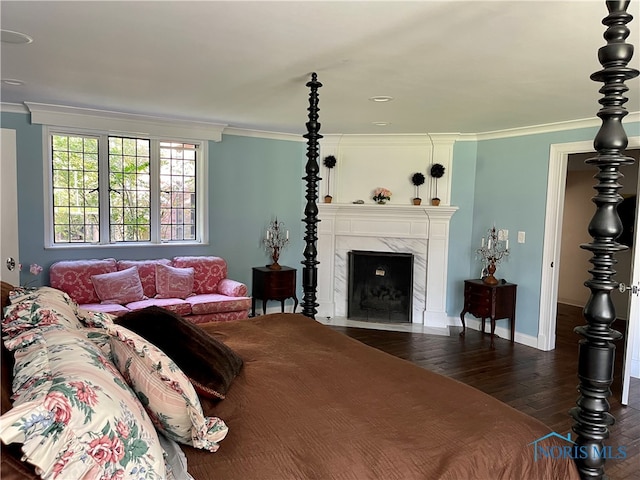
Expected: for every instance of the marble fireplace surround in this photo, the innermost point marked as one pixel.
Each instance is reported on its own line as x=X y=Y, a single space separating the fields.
x=420 y=230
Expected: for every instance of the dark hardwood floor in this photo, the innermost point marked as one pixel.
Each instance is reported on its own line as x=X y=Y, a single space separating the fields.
x=541 y=384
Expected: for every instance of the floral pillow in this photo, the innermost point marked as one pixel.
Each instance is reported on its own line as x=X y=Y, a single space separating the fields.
x=73 y=412
x=165 y=391
x=172 y=282
x=120 y=287
x=31 y=308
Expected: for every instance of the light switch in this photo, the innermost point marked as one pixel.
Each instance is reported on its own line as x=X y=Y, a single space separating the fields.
x=521 y=237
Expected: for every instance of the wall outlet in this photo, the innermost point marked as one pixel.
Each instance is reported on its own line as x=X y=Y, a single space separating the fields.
x=521 y=237
x=503 y=235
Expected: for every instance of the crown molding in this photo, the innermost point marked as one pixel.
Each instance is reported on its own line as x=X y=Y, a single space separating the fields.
x=593 y=122
x=13 y=108
x=117 y=121
x=63 y=116
x=241 y=132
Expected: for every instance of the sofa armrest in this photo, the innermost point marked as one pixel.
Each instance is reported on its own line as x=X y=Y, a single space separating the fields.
x=231 y=288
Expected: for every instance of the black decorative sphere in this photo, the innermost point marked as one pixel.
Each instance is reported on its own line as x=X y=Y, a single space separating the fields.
x=437 y=170
x=329 y=161
x=417 y=179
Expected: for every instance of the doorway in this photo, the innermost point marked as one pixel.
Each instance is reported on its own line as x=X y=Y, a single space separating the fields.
x=552 y=263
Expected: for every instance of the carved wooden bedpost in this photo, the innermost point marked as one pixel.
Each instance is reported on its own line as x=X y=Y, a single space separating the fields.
x=596 y=351
x=310 y=271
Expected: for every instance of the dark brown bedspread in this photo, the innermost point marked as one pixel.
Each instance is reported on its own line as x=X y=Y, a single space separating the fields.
x=311 y=403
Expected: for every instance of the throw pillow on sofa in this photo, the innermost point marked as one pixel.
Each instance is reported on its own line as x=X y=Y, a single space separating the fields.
x=73 y=412
x=120 y=287
x=210 y=364
x=165 y=391
x=172 y=282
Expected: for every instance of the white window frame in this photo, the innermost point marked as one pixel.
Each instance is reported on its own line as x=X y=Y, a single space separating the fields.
x=202 y=161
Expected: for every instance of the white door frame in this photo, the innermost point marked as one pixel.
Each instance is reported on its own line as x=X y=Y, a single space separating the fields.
x=558 y=160
x=630 y=362
x=9 y=208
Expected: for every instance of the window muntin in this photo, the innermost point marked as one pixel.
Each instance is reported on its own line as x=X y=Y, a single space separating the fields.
x=124 y=199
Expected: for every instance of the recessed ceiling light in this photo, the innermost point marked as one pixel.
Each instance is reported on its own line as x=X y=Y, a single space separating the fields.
x=17 y=38
x=381 y=98
x=13 y=82
x=380 y=124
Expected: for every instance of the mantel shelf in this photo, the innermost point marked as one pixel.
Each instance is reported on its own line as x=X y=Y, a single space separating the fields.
x=387 y=209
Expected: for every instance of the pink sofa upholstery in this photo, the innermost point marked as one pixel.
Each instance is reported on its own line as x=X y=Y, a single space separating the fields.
x=215 y=297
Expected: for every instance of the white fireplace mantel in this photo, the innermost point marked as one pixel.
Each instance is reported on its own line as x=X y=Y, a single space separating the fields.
x=420 y=230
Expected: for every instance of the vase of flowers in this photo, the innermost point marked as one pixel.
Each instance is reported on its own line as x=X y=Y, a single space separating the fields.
x=436 y=172
x=417 y=179
x=381 y=195
x=35 y=270
x=329 y=162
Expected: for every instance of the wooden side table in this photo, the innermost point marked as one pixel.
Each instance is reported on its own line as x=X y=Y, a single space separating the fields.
x=273 y=285
x=490 y=301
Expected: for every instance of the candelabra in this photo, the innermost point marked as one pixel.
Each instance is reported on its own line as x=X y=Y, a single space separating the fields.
x=492 y=252
x=275 y=241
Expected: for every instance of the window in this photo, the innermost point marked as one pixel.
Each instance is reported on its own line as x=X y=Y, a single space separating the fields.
x=109 y=189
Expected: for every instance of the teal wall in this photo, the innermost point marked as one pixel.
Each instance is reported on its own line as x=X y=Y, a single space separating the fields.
x=501 y=182
x=510 y=192
x=461 y=254
x=253 y=181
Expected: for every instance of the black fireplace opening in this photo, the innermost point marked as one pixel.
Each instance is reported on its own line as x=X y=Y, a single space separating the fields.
x=380 y=286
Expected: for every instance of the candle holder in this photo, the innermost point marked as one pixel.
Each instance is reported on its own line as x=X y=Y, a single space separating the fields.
x=492 y=252
x=275 y=241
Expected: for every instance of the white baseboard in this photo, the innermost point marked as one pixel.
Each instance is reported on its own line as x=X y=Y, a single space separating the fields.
x=502 y=332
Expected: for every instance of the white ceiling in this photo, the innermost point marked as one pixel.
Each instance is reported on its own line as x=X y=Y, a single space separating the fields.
x=469 y=67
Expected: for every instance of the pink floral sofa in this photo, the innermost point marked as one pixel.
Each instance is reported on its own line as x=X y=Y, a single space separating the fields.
x=194 y=287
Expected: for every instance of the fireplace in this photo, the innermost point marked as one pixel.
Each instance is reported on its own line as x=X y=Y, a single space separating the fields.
x=422 y=231
x=380 y=286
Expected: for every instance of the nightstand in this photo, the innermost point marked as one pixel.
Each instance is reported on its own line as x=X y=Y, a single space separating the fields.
x=490 y=301
x=273 y=285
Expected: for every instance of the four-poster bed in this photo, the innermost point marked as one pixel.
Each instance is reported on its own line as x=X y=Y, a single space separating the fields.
x=596 y=350
x=311 y=403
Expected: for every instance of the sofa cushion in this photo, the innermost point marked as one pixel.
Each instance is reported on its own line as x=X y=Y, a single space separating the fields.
x=31 y=308
x=208 y=271
x=73 y=413
x=174 y=282
x=164 y=390
x=118 y=287
x=147 y=272
x=209 y=363
x=74 y=277
x=215 y=303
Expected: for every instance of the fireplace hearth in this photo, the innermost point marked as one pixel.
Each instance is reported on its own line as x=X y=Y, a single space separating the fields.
x=380 y=286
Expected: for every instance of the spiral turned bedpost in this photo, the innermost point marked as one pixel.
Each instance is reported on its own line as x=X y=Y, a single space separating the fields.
x=596 y=350
x=310 y=270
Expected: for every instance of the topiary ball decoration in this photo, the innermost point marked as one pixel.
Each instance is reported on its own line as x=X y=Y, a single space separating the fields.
x=329 y=161
x=437 y=170
x=417 y=179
